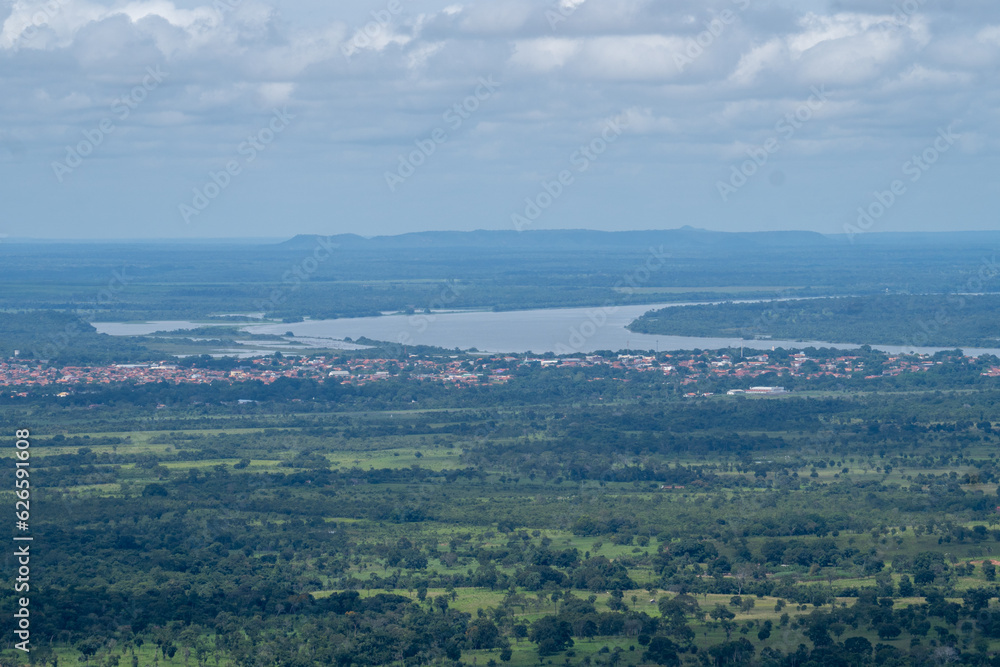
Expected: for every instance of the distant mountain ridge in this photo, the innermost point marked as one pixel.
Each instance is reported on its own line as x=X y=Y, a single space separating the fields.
x=569 y=238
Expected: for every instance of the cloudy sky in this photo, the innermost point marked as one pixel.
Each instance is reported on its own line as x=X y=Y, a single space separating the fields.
x=266 y=118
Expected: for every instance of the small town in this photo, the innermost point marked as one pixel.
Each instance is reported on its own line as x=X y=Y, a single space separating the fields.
x=22 y=375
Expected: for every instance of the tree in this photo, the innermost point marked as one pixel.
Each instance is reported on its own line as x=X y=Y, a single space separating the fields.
x=681 y=605
x=819 y=632
x=662 y=651
x=858 y=645
x=737 y=652
x=720 y=613
x=551 y=634
x=976 y=598
x=905 y=587
x=88 y=647
x=888 y=631
x=482 y=633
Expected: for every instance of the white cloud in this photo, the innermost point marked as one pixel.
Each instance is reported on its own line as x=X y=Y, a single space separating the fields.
x=642 y=120
x=920 y=78
x=497 y=17
x=817 y=29
x=417 y=58
x=545 y=54
x=852 y=59
x=989 y=35
x=275 y=93
x=621 y=58
x=771 y=55
x=65 y=18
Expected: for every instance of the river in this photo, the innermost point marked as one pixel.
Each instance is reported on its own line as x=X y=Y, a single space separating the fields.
x=559 y=330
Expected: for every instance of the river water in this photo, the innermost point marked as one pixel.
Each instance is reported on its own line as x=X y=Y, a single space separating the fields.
x=559 y=330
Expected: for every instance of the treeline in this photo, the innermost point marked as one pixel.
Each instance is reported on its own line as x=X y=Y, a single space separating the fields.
x=953 y=320
x=63 y=338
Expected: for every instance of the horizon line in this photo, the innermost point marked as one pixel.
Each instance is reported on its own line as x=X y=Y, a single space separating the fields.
x=262 y=240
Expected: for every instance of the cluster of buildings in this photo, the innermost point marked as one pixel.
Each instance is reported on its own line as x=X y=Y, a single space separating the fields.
x=795 y=365
x=687 y=367
x=19 y=375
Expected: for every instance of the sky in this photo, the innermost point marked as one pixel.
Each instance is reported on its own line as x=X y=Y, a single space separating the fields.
x=269 y=118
